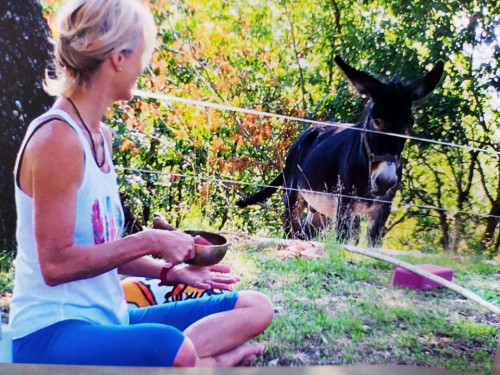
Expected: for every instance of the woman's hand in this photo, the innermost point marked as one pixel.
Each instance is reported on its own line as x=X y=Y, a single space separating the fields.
x=173 y=246
x=210 y=277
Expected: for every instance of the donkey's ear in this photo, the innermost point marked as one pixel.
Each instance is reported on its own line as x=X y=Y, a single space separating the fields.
x=363 y=82
x=424 y=85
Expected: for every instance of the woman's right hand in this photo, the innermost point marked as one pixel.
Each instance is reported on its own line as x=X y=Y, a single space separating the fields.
x=173 y=246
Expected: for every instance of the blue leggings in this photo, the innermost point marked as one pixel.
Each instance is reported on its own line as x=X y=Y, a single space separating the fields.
x=153 y=337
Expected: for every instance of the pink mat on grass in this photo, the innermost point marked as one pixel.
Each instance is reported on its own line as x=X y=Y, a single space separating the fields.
x=409 y=279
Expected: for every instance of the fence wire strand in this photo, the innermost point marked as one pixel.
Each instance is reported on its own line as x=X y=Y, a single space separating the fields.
x=334 y=195
x=223 y=107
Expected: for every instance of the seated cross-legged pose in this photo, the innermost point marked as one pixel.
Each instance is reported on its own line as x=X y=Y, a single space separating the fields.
x=68 y=306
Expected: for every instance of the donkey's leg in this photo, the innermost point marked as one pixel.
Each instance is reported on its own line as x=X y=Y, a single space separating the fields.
x=294 y=206
x=356 y=228
x=314 y=223
x=344 y=219
x=376 y=222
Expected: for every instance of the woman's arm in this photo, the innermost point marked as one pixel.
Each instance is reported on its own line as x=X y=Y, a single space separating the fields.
x=142 y=267
x=216 y=276
x=52 y=172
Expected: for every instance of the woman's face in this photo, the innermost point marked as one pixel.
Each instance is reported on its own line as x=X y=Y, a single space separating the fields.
x=132 y=68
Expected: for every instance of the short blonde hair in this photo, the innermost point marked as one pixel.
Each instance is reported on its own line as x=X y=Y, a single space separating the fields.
x=92 y=30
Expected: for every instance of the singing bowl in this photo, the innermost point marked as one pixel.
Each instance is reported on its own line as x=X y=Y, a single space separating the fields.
x=206 y=255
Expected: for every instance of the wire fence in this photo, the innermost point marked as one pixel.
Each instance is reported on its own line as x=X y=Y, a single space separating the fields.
x=333 y=195
x=223 y=107
x=201 y=103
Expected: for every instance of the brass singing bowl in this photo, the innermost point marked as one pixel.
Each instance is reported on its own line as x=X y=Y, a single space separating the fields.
x=206 y=255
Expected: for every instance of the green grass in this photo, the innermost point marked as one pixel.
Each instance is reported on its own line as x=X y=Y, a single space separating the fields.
x=342 y=310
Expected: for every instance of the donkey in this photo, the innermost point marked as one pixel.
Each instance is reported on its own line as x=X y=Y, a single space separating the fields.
x=343 y=173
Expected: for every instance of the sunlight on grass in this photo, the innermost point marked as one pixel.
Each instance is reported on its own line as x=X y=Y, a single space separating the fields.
x=343 y=309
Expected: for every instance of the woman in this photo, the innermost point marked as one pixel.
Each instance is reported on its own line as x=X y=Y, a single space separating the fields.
x=68 y=306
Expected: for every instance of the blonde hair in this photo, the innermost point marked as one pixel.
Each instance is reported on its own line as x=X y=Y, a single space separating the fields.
x=92 y=30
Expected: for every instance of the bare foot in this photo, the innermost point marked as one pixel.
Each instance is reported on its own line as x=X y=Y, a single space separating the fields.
x=247 y=361
x=242 y=355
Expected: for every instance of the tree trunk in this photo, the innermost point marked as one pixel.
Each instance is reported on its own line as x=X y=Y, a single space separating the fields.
x=25 y=52
x=492 y=220
x=491 y=225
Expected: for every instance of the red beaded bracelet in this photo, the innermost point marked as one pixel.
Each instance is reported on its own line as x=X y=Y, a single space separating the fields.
x=163 y=273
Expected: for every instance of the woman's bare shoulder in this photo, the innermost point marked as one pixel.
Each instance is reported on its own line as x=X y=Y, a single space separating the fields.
x=55 y=136
x=55 y=145
x=53 y=158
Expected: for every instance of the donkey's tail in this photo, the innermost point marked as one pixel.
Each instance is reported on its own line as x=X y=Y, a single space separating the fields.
x=263 y=194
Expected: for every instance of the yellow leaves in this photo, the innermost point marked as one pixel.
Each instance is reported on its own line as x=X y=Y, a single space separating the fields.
x=223 y=84
x=148 y=109
x=245 y=50
x=191 y=89
x=181 y=133
x=183 y=50
x=217 y=144
x=265 y=56
x=177 y=45
x=299 y=113
x=157 y=56
x=127 y=144
x=234 y=81
x=236 y=164
x=158 y=83
x=232 y=165
x=110 y=113
x=213 y=118
x=129 y=123
x=162 y=67
x=245 y=27
x=173 y=119
x=259 y=129
x=226 y=67
x=240 y=140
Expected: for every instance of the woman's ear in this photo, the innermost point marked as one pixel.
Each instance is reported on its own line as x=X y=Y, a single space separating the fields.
x=117 y=60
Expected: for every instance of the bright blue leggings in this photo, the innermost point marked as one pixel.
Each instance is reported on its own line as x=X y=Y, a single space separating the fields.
x=153 y=337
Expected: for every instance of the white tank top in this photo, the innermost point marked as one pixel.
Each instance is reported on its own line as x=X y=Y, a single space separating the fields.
x=99 y=219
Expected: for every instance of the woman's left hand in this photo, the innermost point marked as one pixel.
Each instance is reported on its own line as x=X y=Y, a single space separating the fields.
x=210 y=277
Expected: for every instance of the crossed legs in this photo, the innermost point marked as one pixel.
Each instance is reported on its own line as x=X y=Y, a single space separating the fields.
x=209 y=332
x=218 y=340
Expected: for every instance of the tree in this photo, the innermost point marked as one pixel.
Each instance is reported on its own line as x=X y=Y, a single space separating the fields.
x=25 y=51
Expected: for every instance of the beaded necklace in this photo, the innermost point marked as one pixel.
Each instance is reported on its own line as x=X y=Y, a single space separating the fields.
x=94 y=151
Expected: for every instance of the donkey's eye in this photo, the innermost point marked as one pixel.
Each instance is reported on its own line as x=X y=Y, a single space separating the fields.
x=378 y=124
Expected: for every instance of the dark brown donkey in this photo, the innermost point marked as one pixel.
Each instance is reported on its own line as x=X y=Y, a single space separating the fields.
x=342 y=173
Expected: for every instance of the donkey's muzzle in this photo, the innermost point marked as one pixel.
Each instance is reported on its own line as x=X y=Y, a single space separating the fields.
x=384 y=177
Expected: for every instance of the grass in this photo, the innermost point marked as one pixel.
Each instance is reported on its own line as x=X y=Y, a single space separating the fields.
x=341 y=309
